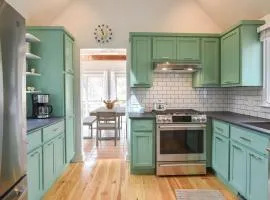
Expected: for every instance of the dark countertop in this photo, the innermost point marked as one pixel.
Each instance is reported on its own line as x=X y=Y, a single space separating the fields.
x=33 y=124
x=146 y=115
x=239 y=119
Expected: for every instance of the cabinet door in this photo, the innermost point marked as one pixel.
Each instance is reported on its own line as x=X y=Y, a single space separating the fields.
x=142 y=149
x=230 y=58
x=68 y=54
x=210 y=61
x=70 y=149
x=48 y=151
x=188 y=49
x=238 y=168
x=220 y=155
x=69 y=95
x=141 y=62
x=59 y=154
x=34 y=174
x=164 y=48
x=257 y=177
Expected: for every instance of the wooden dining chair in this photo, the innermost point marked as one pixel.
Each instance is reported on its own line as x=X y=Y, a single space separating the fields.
x=107 y=121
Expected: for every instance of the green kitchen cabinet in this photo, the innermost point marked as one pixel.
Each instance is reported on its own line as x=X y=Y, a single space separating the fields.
x=188 y=49
x=241 y=55
x=59 y=154
x=257 y=182
x=142 y=146
x=48 y=162
x=164 y=48
x=34 y=174
x=238 y=167
x=141 y=62
x=230 y=58
x=220 y=155
x=69 y=94
x=70 y=142
x=68 y=54
x=209 y=75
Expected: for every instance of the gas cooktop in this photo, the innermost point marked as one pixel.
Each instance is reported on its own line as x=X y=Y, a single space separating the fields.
x=177 y=111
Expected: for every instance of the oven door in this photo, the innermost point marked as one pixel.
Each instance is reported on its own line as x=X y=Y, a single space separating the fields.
x=181 y=142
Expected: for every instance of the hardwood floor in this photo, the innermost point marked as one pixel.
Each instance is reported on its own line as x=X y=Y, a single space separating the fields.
x=105 y=175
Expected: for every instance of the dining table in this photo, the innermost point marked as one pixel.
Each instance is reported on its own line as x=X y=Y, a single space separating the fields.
x=119 y=110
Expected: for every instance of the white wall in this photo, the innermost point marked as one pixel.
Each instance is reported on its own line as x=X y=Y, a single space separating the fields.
x=124 y=16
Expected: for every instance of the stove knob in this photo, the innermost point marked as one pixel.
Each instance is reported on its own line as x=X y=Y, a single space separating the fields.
x=195 y=119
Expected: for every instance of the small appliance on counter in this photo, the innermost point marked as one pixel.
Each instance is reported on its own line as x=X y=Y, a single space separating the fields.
x=159 y=106
x=41 y=107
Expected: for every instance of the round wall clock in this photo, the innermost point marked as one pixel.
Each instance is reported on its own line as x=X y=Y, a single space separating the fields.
x=103 y=34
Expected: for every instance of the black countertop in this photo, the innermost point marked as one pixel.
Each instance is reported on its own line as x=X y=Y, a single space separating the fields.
x=33 y=124
x=239 y=119
x=230 y=117
x=145 y=115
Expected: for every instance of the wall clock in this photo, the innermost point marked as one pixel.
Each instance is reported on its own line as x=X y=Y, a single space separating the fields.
x=103 y=34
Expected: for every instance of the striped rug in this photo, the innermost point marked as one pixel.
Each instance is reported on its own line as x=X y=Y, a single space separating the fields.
x=196 y=194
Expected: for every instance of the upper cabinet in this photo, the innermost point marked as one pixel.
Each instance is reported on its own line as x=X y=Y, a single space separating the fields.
x=188 y=49
x=141 y=62
x=241 y=56
x=183 y=49
x=164 y=48
x=209 y=75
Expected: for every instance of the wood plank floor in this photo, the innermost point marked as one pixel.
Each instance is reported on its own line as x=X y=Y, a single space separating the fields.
x=105 y=175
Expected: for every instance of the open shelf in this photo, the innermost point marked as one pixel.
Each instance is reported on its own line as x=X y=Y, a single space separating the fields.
x=32 y=74
x=31 y=38
x=33 y=92
x=32 y=56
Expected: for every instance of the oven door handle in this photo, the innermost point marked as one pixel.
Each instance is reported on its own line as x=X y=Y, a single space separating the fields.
x=182 y=127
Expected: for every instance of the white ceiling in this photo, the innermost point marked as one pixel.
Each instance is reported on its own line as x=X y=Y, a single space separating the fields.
x=223 y=12
x=43 y=12
x=228 y=12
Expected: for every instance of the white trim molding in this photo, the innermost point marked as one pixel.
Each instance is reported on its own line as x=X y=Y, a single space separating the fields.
x=265 y=38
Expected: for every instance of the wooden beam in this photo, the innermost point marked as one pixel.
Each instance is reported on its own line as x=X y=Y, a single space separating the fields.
x=103 y=57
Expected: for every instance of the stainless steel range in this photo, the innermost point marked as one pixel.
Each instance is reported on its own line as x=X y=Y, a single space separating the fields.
x=181 y=142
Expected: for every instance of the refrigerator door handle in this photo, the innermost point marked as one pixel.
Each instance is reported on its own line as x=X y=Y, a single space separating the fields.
x=1 y=107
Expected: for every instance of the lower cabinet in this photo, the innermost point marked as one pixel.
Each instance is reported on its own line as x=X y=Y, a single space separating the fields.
x=241 y=160
x=220 y=159
x=70 y=150
x=142 y=147
x=46 y=159
x=257 y=179
x=238 y=168
x=34 y=174
x=48 y=151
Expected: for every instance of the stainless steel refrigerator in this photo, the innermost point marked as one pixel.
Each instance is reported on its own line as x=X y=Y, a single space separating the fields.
x=13 y=184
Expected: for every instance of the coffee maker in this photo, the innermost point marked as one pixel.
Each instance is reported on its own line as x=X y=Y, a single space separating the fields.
x=41 y=108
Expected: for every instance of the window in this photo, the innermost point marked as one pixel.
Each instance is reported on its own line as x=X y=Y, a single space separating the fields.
x=98 y=86
x=265 y=38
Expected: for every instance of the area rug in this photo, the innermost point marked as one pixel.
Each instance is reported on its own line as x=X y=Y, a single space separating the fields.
x=196 y=194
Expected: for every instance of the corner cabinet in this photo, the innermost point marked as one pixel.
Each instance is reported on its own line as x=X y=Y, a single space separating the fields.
x=142 y=146
x=209 y=75
x=57 y=69
x=141 y=62
x=241 y=56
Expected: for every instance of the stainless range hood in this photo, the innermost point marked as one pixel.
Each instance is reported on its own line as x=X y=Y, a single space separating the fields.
x=177 y=67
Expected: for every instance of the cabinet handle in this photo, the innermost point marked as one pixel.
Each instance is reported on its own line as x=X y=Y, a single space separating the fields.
x=267 y=149
x=220 y=129
x=32 y=155
x=243 y=138
x=187 y=58
x=220 y=139
x=229 y=82
x=238 y=148
x=50 y=144
x=256 y=157
x=165 y=57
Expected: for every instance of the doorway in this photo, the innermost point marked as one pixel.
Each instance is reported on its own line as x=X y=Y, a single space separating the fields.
x=103 y=77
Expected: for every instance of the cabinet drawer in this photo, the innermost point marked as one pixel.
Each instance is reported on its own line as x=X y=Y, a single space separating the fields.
x=221 y=128
x=34 y=140
x=249 y=138
x=53 y=130
x=142 y=125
